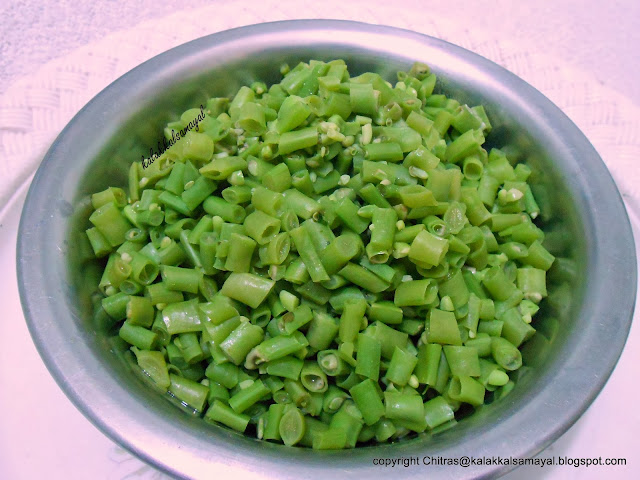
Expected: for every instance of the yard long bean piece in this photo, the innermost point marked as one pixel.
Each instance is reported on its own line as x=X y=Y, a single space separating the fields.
x=330 y=261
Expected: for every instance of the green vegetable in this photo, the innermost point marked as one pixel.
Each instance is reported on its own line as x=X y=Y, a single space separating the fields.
x=327 y=262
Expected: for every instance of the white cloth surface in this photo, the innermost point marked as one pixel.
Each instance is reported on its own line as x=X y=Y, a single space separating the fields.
x=34 y=109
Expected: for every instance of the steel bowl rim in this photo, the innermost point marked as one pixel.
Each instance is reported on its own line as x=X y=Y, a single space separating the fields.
x=28 y=274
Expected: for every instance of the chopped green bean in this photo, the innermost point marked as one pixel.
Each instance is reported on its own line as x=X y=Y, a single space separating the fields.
x=328 y=261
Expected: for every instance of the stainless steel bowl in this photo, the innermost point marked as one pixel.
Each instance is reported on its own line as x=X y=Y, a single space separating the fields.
x=581 y=332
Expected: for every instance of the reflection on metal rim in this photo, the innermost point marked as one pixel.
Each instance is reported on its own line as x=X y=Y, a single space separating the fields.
x=591 y=299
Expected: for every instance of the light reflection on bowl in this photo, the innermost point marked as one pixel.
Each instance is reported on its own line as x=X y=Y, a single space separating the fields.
x=592 y=286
